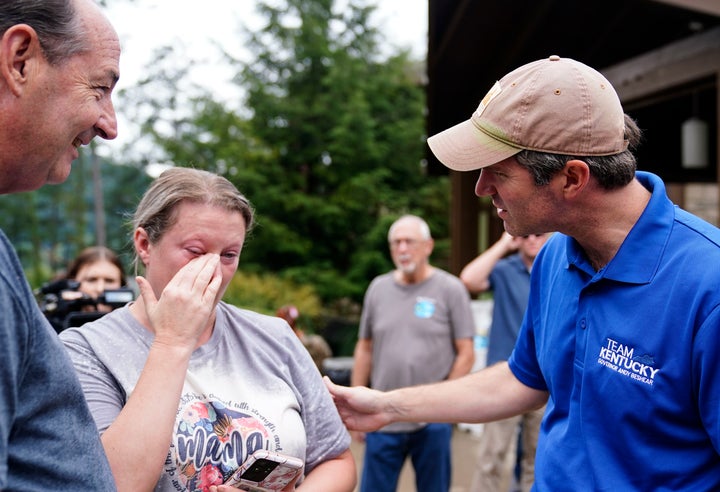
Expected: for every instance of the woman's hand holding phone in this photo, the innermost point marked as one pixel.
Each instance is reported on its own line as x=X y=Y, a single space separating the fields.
x=266 y=471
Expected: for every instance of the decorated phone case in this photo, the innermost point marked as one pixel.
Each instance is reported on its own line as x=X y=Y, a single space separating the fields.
x=266 y=471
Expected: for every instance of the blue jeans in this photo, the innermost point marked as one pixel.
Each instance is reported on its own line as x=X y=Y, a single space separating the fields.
x=429 y=451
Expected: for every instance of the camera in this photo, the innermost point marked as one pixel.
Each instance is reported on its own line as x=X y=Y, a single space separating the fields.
x=66 y=311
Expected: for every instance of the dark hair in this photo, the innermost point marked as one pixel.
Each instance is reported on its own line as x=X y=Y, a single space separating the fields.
x=94 y=254
x=611 y=171
x=60 y=31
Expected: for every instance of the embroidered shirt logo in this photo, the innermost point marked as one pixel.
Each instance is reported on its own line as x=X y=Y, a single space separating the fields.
x=622 y=359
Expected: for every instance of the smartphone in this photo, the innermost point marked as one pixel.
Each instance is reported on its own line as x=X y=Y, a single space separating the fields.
x=266 y=471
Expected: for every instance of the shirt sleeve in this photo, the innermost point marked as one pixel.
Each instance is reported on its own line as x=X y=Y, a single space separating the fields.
x=523 y=360
x=327 y=437
x=706 y=371
x=104 y=395
x=14 y=343
x=461 y=315
x=366 y=316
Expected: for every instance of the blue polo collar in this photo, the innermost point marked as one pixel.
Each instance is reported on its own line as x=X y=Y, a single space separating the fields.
x=639 y=256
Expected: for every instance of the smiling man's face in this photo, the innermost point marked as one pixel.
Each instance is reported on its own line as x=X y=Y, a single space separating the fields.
x=64 y=106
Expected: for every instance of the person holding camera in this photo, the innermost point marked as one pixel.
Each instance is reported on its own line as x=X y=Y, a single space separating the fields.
x=94 y=284
x=97 y=269
x=185 y=388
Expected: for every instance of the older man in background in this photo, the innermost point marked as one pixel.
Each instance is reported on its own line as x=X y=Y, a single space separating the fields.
x=416 y=327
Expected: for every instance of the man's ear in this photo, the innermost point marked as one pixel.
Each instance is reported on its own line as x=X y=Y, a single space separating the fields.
x=430 y=244
x=577 y=176
x=19 y=48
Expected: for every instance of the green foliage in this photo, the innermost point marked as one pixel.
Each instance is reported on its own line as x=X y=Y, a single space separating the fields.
x=329 y=146
x=265 y=293
x=49 y=226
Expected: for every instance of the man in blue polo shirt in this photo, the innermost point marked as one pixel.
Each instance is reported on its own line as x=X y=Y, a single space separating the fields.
x=624 y=311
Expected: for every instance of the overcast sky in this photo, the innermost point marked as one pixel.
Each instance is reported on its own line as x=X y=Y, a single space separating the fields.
x=193 y=26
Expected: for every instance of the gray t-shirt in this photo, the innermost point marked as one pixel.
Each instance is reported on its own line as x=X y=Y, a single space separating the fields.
x=251 y=386
x=47 y=437
x=413 y=329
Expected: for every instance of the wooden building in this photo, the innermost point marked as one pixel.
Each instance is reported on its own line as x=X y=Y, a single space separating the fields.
x=662 y=56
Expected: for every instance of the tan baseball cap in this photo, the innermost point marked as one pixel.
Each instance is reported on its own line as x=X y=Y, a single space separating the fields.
x=556 y=105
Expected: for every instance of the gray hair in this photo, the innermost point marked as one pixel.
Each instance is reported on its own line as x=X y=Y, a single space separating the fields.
x=60 y=30
x=424 y=227
x=156 y=212
x=611 y=171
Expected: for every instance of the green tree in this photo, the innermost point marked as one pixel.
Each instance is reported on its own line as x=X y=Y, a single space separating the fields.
x=331 y=151
x=49 y=226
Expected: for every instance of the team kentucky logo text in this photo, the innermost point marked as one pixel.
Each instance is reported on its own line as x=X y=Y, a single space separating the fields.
x=622 y=359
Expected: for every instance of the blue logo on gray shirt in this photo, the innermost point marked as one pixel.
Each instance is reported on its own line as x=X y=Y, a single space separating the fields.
x=424 y=307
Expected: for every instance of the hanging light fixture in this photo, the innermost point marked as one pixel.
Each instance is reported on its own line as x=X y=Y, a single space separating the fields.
x=694 y=139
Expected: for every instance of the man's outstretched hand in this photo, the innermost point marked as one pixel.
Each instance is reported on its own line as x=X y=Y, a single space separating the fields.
x=360 y=408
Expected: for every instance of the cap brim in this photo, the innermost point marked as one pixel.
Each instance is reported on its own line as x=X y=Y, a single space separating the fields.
x=464 y=147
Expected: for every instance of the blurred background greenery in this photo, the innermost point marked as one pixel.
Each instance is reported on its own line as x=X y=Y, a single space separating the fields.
x=329 y=147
